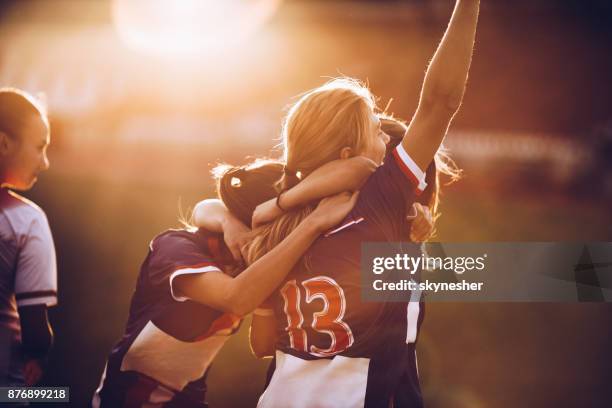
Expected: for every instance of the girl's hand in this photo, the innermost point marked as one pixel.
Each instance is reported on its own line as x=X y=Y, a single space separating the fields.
x=332 y=210
x=266 y=212
x=422 y=223
x=235 y=235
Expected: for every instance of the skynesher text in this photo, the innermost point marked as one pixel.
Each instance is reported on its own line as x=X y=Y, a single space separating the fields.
x=427 y=286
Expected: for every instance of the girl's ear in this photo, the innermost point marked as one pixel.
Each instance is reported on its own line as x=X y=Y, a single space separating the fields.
x=346 y=153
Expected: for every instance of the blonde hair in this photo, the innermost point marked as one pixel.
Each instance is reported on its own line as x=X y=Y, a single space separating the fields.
x=317 y=127
x=322 y=122
x=266 y=237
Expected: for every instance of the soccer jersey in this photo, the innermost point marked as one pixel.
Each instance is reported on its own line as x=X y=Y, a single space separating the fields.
x=333 y=349
x=169 y=340
x=28 y=275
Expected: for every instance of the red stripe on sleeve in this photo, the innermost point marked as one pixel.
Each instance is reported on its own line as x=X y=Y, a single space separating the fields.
x=406 y=171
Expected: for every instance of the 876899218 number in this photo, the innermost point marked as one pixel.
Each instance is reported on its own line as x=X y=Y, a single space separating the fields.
x=34 y=394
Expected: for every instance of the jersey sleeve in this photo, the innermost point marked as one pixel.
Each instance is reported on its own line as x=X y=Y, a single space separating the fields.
x=173 y=255
x=390 y=192
x=36 y=273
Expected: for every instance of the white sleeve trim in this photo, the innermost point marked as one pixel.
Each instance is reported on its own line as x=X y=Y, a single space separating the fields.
x=188 y=271
x=409 y=165
x=48 y=301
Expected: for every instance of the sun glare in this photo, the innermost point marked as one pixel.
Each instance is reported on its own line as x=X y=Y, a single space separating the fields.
x=187 y=28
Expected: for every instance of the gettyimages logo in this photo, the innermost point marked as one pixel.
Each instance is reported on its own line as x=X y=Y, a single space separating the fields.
x=411 y=264
x=488 y=272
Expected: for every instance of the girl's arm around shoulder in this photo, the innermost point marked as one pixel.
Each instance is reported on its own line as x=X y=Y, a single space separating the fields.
x=331 y=178
x=243 y=293
x=212 y=215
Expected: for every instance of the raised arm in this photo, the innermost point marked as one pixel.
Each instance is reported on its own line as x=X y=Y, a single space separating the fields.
x=243 y=293
x=444 y=85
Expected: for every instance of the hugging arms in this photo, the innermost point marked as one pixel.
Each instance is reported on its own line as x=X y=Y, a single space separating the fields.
x=193 y=289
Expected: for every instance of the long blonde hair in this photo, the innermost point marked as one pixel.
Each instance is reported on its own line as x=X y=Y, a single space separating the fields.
x=266 y=237
x=323 y=122
x=317 y=127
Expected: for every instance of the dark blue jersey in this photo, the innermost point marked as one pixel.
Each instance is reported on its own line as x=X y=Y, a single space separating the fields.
x=169 y=340
x=333 y=349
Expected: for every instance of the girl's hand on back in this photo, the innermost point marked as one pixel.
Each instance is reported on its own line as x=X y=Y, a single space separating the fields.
x=332 y=210
x=235 y=235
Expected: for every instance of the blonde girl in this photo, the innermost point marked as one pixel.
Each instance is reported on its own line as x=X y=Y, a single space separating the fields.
x=332 y=349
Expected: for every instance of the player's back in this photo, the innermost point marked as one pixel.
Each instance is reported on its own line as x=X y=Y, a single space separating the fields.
x=333 y=348
x=28 y=274
x=170 y=340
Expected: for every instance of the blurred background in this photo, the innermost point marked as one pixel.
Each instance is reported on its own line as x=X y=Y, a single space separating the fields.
x=145 y=96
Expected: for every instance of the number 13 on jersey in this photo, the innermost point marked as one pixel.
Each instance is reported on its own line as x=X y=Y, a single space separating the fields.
x=327 y=321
